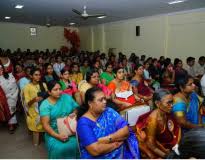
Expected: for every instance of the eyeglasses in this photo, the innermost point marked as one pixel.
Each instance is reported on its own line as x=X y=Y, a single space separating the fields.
x=191 y=84
x=169 y=102
x=95 y=77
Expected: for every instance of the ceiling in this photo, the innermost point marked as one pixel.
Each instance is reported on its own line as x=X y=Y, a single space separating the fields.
x=59 y=12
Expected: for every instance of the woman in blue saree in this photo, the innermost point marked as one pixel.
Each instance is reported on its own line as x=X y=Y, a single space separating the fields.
x=186 y=107
x=102 y=132
x=57 y=106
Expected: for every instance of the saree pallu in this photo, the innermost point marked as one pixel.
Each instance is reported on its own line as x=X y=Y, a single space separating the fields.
x=191 y=110
x=4 y=108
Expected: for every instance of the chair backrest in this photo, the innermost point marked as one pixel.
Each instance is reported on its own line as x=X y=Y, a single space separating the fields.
x=133 y=114
x=78 y=143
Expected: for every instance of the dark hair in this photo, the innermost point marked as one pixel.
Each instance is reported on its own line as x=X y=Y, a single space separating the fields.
x=108 y=64
x=51 y=84
x=64 y=70
x=192 y=145
x=182 y=81
x=117 y=69
x=189 y=59
x=159 y=94
x=90 y=73
x=5 y=74
x=33 y=70
x=137 y=66
x=89 y=96
x=55 y=77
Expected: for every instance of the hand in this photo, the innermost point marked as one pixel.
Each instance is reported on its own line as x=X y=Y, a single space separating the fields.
x=117 y=144
x=62 y=138
x=104 y=140
x=37 y=99
x=126 y=104
x=72 y=115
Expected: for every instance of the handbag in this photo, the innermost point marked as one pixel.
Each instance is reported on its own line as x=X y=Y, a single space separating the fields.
x=67 y=125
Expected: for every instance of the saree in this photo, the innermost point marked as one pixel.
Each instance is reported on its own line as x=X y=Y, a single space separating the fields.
x=4 y=108
x=89 y=132
x=56 y=148
x=191 y=110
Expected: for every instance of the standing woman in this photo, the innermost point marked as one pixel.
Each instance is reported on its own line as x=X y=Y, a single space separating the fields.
x=34 y=93
x=52 y=108
x=10 y=89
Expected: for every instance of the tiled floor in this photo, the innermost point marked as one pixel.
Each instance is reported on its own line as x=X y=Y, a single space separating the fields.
x=19 y=144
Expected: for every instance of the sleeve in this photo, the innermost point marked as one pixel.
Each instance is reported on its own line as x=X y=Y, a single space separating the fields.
x=85 y=133
x=44 y=109
x=112 y=86
x=179 y=109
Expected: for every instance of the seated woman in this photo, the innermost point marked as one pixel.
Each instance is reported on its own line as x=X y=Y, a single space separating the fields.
x=92 y=80
x=33 y=94
x=157 y=131
x=102 y=132
x=76 y=75
x=187 y=103
x=69 y=87
x=168 y=77
x=122 y=93
x=49 y=73
x=107 y=76
x=144 y=91
x=52 y=108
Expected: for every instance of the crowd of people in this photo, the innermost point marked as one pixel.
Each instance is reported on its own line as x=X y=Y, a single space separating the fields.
x=94 y=89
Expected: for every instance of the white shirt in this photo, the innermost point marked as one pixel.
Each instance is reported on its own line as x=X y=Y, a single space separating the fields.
x=200 y=70
x=203 y=84
x=58 y=67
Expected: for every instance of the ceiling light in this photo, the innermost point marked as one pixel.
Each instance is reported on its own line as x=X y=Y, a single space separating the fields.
x=19 y=6
x=7 y=17
x=101 y=17
x=177 y=1
x=71 y=23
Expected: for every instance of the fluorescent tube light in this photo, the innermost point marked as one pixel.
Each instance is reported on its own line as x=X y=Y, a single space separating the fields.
x=19 y=6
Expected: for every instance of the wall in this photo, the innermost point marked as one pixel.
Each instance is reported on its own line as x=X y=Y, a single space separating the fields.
x=178 y=34
x=13 y=36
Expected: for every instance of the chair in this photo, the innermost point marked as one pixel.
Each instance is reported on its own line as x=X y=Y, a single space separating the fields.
x=132 y=115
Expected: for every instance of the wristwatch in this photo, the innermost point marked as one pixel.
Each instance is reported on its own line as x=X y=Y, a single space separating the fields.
x=110 y=139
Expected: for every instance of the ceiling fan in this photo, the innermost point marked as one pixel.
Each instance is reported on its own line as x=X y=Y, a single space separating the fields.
x=85 y=15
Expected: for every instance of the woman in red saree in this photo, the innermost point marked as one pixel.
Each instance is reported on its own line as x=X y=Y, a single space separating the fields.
x=157 y=131
x=4 y=108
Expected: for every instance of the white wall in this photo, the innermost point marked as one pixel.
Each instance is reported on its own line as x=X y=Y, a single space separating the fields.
x=179 y=34
x=13 y=36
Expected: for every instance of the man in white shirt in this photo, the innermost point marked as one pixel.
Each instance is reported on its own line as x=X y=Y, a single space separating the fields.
x=200 y=67
x=190 y=66
x=203 y=84
x=59 y=65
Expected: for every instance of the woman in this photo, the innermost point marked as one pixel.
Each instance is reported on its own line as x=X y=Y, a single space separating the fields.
x=49 y=73
x=52 y=108
x=144 y=91
x=18 y=72
x=122 y=93
x=179 y=71
x=157 y=131
x=186 y=108
x=10 y=91
x=107 y=76
x=33 y=94
x=85 y=68
x=102 y=132
x=168 y=77
x=76 y=75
